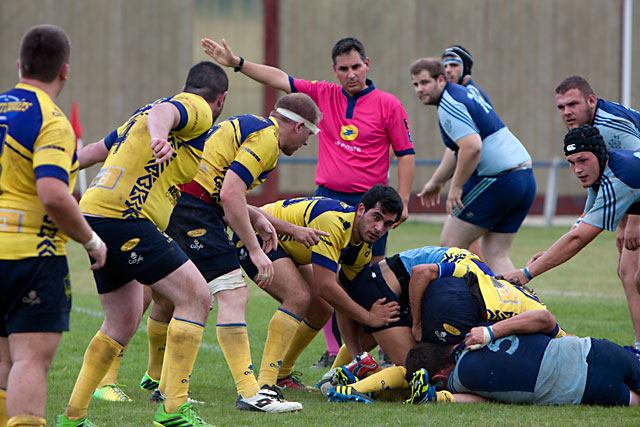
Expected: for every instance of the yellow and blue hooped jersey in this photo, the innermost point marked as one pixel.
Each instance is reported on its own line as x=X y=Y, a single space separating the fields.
x=36 y=141
x=131 y=184
x=334 y=217
x=247 y=145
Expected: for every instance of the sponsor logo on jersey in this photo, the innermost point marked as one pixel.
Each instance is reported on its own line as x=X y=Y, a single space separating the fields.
x=127 y=246
x=348 y=132
x=196 y=245
x=451 y=329
x=198 y=232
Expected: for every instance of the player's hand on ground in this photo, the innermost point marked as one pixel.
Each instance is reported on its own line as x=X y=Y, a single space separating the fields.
x=381 y=313
x=162 y=149
x=99 y=256
x=222 y=54
x=430 y=194
x=308 y=236
x=515 y=277
x=454 y=201
x=265 y=268
x=416 y=330
x=534 y=257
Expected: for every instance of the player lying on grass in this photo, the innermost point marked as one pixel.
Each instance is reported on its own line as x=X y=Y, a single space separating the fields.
x=518 y=362
x=447 y=300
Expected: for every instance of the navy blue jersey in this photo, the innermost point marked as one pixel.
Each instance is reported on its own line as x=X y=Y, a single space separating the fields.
x=524 y=369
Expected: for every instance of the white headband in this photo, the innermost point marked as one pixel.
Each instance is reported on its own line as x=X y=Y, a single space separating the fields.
x=298 y=118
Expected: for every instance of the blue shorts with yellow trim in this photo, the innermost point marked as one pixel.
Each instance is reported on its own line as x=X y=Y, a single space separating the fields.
x=201 y=232
x=379 y=247
x=245 y=260
x=498 y=203
x=35 y=295
x=137 y=250
x=448 y=311
x=368 y=287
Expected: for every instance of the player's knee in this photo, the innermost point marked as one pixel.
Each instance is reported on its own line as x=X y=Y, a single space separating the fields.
x=298 y=298
x=233 y=299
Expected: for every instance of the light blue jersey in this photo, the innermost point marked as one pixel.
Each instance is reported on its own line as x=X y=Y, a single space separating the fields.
x=462 y=112
x=434 y=255
x=619 y=189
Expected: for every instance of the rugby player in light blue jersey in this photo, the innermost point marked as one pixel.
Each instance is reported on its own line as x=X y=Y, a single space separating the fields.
x=620 y=128
x=492 y=185
x=614 y=183
x=520 y=363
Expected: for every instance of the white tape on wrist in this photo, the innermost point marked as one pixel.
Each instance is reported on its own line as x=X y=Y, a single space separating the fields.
x=487 y=337
x=93 y=243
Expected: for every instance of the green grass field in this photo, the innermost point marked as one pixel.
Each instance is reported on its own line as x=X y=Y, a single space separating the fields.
x=584 y=294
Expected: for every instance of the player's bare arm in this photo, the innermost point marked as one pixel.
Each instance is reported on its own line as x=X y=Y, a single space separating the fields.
x=232 y=195
x=305 y=235
x=470 y=149
x=430 y=194
x=406 y=170
x=421 y=277
x=91 y=154
x=561 y=251
x=325 y=285
x=265 y=74
x=162 y=118
x=529 y=322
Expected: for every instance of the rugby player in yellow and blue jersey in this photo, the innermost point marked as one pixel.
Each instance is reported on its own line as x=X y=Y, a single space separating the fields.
x=38 y=214
x=238 y=156
x=310 y=296
x=129 y=204
x=443 y=292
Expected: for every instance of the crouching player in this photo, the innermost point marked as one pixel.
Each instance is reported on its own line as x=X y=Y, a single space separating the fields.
x=519 y=362
x=308 y=300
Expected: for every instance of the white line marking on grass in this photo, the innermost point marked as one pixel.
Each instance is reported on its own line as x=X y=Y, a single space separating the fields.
x=100 y=315
x=579 y=294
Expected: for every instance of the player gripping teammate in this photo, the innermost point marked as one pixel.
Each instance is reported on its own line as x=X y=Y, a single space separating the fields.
x=238 y=156
x=309 y=297
x=129 y=204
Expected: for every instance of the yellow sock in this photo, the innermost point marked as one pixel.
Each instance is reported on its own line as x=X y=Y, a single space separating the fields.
x=111 y=377
x=342 y=358
x=304 y=335
x=3 y=407
x=282 y=329
x=385 y=379
x=100 y=353
x=157 y=335
x=183 y=341
x=234 y=341
x=444 y=396
x=26 y=421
